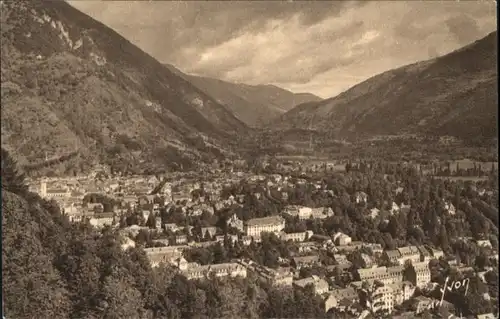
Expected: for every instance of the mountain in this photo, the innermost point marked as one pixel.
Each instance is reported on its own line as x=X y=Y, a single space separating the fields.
x=253 y=104
x=452 y=95
x=72 y=85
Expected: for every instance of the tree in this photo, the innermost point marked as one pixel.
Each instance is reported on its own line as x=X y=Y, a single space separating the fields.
x=443 y=238
x=120 y=300
x=394 y=227
x=12 y=180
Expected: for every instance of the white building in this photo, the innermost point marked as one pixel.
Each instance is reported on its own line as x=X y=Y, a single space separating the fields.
x=272 y=224
x=217 y=270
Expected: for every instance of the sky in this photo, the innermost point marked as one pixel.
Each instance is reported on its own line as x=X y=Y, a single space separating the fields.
x=320 y=47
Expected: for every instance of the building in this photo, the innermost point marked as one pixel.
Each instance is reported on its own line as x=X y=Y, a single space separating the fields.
x=340 y=258
x=394 y=209
x=392 y=256
x=158 y=223
x=420 y=274
x=367 y=261
x=421 y=303
x=95 y=207
x=484 y=243
x=386 y=275
x=403 y=291
x=57 y=193
x=81 y=216
x=145 y=214
x=235 y=222
x=102 y=219
x=382 y=299
x=409 y=253
x=211 y=231
x=272 y=224
x=281 y=277
x=450 y=208
x=302 y=236
x=487 y=316
x=320 y=286
x=275 y=277
x=436 y=253
x=305 y=261
x=338 y=297
x=341 y=239
x=361 y=197
x=217 y=270
x=157 y=255
x=375 y=248
x=231 y=238
x=321 y=212
x=303 y=212
x=377 y=296
x=181 y=239
x=173 y=227
x=425 y=254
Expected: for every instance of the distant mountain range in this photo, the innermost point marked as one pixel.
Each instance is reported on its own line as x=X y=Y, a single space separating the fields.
x=76 y=93
x=71 y=83
x=452 y=95
x=255 y=105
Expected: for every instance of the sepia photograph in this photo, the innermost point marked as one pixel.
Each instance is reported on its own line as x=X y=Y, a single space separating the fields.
x=249 y=159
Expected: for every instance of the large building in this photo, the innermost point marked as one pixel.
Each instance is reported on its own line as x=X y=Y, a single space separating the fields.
x=53 y=193
x=386 y=275
x=217 y=270
x=272 y=224
x=302 y=236
x=383 y=299
x=409 y=253
x=421 y=274
x=341 y=239
x=102 y=219
x=307 y=212
x=391 y=256
x=403 y=291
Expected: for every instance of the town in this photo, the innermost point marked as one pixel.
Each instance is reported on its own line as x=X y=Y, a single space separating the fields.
x=296 y=230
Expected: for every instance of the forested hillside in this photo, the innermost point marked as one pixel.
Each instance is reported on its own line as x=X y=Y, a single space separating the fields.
x=452 y=95
x=71 y=84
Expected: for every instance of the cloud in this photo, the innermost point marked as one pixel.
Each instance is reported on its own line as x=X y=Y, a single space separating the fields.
x=282 y=52
x=322 y=47
x=463 y=28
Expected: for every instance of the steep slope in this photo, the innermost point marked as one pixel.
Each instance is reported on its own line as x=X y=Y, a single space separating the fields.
x=453 y=95
x=253 y=104
x=71 y=83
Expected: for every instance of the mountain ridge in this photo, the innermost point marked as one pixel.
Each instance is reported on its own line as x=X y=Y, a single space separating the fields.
x=437 y=96
x=77 y=84
x=255 y=105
